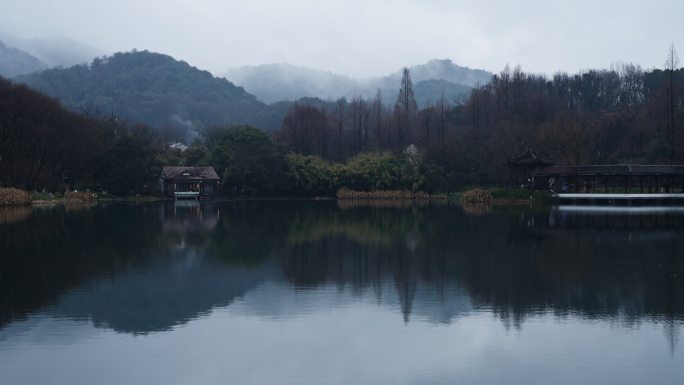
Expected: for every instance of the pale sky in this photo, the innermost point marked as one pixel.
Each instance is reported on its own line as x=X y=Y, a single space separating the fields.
x=365 y=37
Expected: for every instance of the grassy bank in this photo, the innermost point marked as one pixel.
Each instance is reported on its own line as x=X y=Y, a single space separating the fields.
x=72 y=198
x=504 y=197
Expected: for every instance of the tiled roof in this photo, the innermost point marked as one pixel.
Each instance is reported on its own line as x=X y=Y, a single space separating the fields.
x=530 y=158
x=189 y=173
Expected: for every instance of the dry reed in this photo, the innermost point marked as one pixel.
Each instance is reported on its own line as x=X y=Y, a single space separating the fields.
x=478 y=196
x=345 y=193
x=14 y=197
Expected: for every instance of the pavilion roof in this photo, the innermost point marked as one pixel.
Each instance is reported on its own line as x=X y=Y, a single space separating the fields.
x=189 y=172
x=530 y=158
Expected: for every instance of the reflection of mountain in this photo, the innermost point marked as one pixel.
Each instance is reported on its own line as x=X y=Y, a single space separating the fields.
x=168 y=293
x=122 y=268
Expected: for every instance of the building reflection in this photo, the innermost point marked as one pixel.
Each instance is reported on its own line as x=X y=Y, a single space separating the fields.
x=185 y=217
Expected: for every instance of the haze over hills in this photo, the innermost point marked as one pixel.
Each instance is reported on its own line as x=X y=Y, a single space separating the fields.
x=54 y=51
x=15 y=62
x=276 y=82
x=279 y=81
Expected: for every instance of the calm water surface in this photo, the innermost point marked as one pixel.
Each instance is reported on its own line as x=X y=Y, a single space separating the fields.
x=327 y=293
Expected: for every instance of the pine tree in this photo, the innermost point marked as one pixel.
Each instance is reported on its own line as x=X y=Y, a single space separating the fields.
x=405 y=108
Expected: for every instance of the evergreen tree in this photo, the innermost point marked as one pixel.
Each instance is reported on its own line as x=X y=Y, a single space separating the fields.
x=405 y=108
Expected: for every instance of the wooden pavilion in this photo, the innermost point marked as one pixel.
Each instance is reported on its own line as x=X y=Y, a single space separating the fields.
x=189 y=182
x=524 y=165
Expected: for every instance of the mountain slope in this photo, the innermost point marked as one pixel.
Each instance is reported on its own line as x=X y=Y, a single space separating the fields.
x=150 y=88
x=15 y=62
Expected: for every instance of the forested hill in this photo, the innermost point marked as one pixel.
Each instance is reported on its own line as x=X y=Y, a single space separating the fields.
x=151 y=88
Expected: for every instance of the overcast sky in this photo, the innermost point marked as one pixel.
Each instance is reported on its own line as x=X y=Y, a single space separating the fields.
x=365 y=37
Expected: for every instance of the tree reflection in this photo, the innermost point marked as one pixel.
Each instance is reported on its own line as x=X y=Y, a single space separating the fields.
x=145 y=268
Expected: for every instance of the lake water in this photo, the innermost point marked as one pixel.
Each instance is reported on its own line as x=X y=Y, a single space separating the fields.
x=328 y=293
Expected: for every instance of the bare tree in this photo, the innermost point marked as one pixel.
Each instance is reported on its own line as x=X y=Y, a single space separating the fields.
x=339 y=120
x=305 y=129
x=359 y=113
x=377 y=109
x=441 y=119
x=671 y=64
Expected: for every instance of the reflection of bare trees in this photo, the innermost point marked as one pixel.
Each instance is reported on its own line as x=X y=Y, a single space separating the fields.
x=516 y=264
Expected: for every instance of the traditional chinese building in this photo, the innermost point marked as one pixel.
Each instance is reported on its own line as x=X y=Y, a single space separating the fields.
x=620 y=181
x=524 y=165
x=189 y=182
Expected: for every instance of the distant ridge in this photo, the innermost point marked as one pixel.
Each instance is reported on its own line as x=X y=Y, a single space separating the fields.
x=15 y=62
x=277 y=82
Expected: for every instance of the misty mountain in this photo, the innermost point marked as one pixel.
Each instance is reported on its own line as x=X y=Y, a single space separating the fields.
x=445 y=69
x=150 y=88
x=275 y=82
x=15 y=62
x=54 y=51
x=162 y=92
x=278 y=82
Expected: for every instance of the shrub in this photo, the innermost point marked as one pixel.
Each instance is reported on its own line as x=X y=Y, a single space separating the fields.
x=514 y=193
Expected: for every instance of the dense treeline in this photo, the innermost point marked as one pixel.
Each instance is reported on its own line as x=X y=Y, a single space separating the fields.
x=44 y=146
x=596 y=117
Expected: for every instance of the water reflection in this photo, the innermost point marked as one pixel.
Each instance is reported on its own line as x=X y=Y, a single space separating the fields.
x=147 y=268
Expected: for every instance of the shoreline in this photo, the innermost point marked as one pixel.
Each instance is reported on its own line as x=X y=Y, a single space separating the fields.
x=345 y=195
